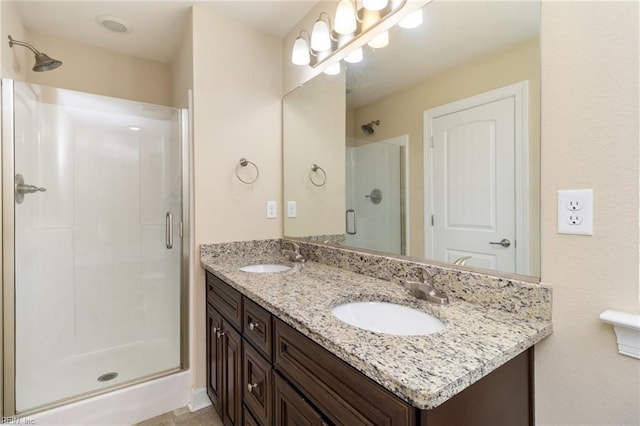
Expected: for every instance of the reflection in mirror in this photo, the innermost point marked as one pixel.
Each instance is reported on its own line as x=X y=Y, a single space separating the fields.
x=431 y=144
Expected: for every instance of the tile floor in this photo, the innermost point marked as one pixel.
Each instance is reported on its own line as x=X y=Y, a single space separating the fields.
x=183 y=417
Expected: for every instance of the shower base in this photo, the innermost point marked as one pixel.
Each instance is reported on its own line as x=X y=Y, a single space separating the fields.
x=125 y=406
x=79 y=375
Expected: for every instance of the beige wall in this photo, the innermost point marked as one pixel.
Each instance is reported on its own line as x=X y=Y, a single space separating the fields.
x=519 y=63
x=182 y=67
x=237 y=86
x=313 y=133
x=17 y=61
x=103 y=72
x=590 y=139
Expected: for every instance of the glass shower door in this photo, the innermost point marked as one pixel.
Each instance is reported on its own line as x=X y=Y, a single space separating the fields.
x=375 y=195
x=97 y=222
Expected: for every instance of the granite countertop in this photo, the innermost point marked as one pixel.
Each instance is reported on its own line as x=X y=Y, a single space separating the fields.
x=425 y=371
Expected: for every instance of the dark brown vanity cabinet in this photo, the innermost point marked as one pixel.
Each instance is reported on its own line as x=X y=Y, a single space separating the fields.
x=224 y=350
x=261 y=371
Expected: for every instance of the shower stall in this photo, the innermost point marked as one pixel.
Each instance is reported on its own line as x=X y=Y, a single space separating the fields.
x=94 y=192
x=376 y=194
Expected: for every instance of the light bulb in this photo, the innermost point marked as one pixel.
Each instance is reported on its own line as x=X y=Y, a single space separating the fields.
x=345 y=20
x=380 y=41
x=412 y=21
x=320 y=36
x=355 y=56
x=300 y=53
x=374 y=4
x=333 y=69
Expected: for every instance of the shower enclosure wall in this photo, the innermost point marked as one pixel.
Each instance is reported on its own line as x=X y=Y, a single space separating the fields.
x=92 y=244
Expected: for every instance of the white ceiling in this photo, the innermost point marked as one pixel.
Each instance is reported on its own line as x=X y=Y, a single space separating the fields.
x=158 y=26
x=453 y=32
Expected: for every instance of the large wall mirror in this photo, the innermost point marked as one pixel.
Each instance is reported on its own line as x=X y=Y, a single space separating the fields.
x=428 y=147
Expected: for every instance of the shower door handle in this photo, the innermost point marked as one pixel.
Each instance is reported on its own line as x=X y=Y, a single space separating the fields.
x=169 y=230
x=346 y=218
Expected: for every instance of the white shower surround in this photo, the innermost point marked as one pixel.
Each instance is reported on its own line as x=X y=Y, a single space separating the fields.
x=96 y=290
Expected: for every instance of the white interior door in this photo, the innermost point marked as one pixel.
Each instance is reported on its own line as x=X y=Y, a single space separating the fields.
x=473 y=190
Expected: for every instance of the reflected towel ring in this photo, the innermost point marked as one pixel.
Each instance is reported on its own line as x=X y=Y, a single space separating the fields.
x=315 y=169
x=244 y=163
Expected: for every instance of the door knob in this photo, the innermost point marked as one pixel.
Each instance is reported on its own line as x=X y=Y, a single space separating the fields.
x=504 y=242
x=23 y=188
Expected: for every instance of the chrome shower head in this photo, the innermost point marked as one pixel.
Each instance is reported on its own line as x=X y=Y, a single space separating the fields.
x=368 y=128
x=43 y=61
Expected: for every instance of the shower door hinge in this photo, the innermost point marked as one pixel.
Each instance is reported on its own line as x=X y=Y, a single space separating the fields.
x=181 y=230
x=431 y=220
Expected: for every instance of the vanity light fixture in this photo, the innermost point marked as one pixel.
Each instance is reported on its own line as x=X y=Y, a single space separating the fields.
x=346 y=18
x=300 y=54
x=321 y=34
x=350 y=24
x=375 y=4
x=380 y=41
x=333 y=69
x=412 y=21
x=355 y=56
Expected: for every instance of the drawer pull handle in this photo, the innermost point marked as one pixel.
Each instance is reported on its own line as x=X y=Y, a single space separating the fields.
x=215 y=330
x=251 y=386
x=253 y=326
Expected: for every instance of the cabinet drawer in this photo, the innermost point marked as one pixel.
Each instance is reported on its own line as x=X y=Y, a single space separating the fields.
x=225 y=299
x=257 y=388
x=342 y=393
x=291 y=408
x=257 y=327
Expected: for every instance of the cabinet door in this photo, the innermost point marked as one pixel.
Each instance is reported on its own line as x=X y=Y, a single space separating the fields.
x=291 y=408
x=256 y=384
x=214 y=358
x=232 y=363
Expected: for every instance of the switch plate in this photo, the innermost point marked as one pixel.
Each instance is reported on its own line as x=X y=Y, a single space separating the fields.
x=575 y=212
x=271 y=210
x=292 y=209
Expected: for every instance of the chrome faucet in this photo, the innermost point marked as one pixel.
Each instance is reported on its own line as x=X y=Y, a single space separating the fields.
x=462 y=260
x=424 y=289
x=293 y=255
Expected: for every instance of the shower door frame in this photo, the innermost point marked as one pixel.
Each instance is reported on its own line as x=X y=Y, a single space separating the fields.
x=7 y=236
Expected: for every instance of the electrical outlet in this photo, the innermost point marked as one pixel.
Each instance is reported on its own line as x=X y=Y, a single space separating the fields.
x=575 y=212
x=291 y=209
x=271 y=210
x=575 y=219
x=575 y=204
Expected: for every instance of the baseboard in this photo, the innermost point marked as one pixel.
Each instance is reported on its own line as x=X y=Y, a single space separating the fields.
x=199 y=399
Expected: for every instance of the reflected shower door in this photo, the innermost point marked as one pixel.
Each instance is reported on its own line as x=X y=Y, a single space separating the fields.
x=375 y=192
x=97 y=282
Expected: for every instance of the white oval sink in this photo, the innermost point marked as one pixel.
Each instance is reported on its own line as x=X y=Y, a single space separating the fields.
x=265 y=268
x=388 y=318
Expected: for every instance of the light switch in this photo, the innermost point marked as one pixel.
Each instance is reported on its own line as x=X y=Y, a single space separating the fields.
x=271 y=210
x=291 y=209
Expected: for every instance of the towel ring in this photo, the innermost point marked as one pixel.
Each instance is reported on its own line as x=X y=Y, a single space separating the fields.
x=315 y=169
x=244 y=163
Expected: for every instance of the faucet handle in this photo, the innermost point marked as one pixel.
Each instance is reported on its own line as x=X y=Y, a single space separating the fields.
x=425 y=275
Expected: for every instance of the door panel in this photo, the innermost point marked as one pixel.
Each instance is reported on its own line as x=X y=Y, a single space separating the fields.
x=473 y=185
